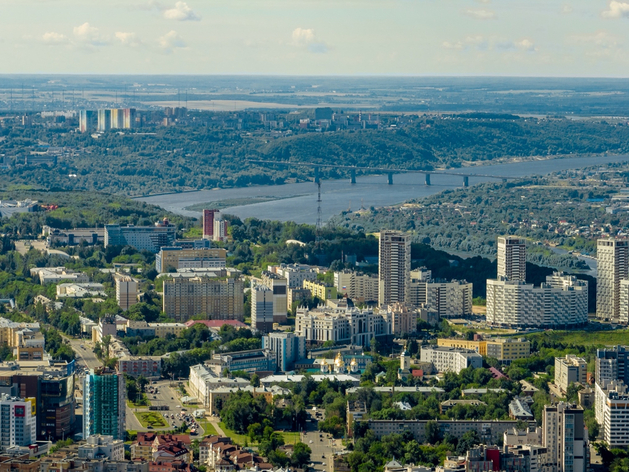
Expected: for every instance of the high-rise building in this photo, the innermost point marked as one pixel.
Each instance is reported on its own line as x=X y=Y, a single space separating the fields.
x=142 y=238
x=129 y=118
x=104 y=404
x=220 y=229
x=512 y=258
x=359 y=287
x=117 y=118
x=208 y=223
x=18 y=421
x=560 y=302
x=216 y=298
x=261 y=307
x=295 y=274
x=612 y=412
x=568 y=370
x=448 y=298
x=394 y=267
x=287 y=348
x=88 y=121
x=126 y=291
x=563 y=435
x=403 y=319
x=612 y=257
x=279 y=287
x=171 y=259
x=104 y=120
x=612 y=364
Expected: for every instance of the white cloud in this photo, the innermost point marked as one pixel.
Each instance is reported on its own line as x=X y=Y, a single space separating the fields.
x=481 y=14
x=307 y=39
x=616 y=10
x=89 y=35
x=600 y=39
x=566 y=8
x=128 y=39
x=526 y=45
x=480 y=43
x=55 y=38
x=181 y=12
x=171 y=41
x=477 y=42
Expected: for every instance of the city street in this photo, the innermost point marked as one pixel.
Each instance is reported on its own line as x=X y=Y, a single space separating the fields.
x=323 y=446
x=84 y=352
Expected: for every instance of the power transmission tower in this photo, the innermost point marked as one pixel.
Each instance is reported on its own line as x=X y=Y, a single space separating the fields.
x=319 y=219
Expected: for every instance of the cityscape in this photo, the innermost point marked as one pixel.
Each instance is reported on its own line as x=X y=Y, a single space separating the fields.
x=314 y=236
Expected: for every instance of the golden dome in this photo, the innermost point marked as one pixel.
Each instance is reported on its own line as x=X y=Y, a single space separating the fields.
x=353 y=362
x=338 y=360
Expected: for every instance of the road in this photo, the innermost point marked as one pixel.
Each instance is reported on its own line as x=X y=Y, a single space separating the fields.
x=323 y=445
x=85 y=354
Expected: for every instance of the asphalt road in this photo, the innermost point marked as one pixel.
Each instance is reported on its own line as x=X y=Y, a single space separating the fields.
x=323 y=446
x=84 y=354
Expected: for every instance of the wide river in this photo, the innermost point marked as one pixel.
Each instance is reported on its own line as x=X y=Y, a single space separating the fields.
x=298 y=202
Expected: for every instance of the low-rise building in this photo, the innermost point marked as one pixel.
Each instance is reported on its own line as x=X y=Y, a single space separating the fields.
x=320 y=289
x=80 y=290
x=254 y=360
x=202 y=380
x=449 y=359
x=519 y=437
x=54 y=275
x=173 y=258
x=147 y=366
x=71 y=237
x=25 y=340
x=508 y=349
x=519 y=409
x=99 y=446
x=295 y=274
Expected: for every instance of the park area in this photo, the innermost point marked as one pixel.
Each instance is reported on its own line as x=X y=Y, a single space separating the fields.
x=152 y=419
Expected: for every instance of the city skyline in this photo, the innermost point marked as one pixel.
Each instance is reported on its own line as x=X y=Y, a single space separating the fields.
x=345 y=37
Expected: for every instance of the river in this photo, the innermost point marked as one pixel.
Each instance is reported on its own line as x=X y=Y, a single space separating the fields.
x=298 y=202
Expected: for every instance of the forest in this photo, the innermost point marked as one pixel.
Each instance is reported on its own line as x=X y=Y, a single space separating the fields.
x=178 y=158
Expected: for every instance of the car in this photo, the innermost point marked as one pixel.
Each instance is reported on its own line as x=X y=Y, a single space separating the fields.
x=149 y=427
x=183 y=409
x=171 y=398
x=311 y=441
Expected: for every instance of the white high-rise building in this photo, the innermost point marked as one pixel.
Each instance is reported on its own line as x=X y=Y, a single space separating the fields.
x=261 y=308
x=612 y=412
x=563 y=435
x=560 y=302
x=287 y=348
x=394 y=267
x=612 y=257
x=18 y=422
x=512 y=258
x=126 y=291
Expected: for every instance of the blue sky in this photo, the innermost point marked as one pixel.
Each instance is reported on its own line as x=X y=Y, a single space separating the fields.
x=305 y=37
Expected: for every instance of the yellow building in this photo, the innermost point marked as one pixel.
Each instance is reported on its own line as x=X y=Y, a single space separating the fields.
x=162 y=329
x=508 y=349
x=169 y=259
x=478 y=346
x=319 y=289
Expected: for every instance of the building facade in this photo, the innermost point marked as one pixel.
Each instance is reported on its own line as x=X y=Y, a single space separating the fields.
x=450 y=359
x=560 y=302
x=216 y=298
x=261 y=308
x=142 y=238
x=612 y=364
x=295 y=274
x=612 y=256
x=568 y=370
x=612 y=412
x=126 y=291
x=287 y=348
x=171 y=259
x=357 y=286
x=448 y=299
x=394 y=267
x=512 y=258
x=279 y=287
x=104 y=405
x=208 y=223
x=320 y=289
x=563 y=435
x=147 y=366
x=343 y=326
x=18 y=422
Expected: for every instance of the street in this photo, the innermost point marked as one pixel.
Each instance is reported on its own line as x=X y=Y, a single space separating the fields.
x=323 y=445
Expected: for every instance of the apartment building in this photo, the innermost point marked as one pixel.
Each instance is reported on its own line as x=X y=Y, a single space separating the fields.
x=512 y=258
x=403 y=319
x=24 y=339
x=287 y=348
x=612 y=257
x=173 y=258
x=295 y=274
x=261 y=308
x=147 y=366
x=563 y=435
x=18 y=421
x=142 y=238
x=126 y=291
x=202 y=380
x=341 y=325
x=356 y=286
x=218 y=297
x=279 y=286
x=478 y=346
x=448 y=299
x=568 y=370
x=394 y=267
x=560 y=302
x=320 y=289
x=98 y=446
x=508 y=349
x=612 y=412
x=450 y=359
x=612 y=364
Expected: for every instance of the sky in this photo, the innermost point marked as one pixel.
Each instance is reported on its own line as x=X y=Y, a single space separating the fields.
x=573 y=38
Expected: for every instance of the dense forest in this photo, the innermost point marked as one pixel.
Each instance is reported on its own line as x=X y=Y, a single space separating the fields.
x=178 y=158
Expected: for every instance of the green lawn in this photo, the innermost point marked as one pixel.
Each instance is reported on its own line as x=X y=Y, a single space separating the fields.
x=144 y=402
x=208 y=427
x=290 y=437
x=586 y=338
x=151 y=418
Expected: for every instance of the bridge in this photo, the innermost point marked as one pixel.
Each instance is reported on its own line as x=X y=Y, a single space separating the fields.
x=382 y=170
